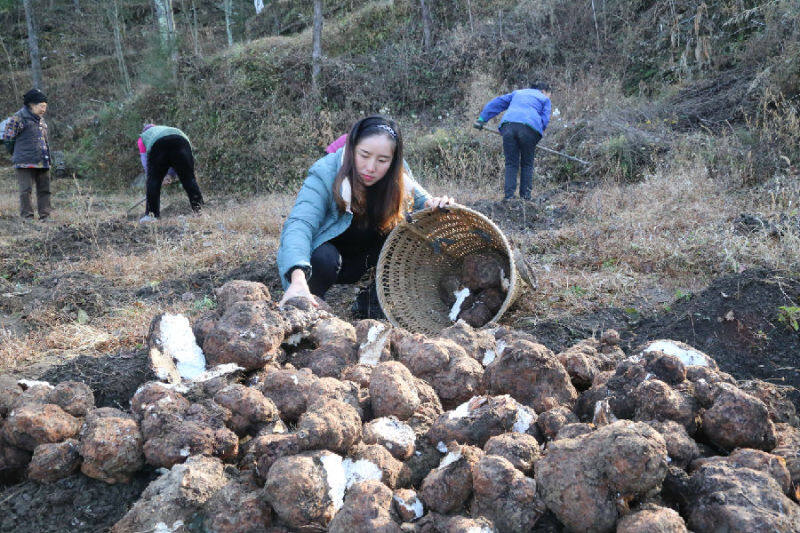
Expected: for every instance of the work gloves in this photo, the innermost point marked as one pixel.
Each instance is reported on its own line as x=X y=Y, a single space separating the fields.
x=479 y=124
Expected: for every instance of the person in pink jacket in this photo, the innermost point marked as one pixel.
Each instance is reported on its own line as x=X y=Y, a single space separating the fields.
x=338 y=143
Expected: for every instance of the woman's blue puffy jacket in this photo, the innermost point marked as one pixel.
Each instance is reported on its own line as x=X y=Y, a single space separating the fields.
x=315 y=217
x=526 y=106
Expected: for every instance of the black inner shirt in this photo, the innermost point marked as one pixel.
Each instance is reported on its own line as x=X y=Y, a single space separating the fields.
x=362 y=236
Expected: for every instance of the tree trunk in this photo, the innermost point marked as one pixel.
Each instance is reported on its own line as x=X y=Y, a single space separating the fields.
x=469 y=12
x=33 y=45
x=316 y=50
x=166 y=27
x=196 y=32
x=596 y=27
x=191 y=21
x=228 y=5
x=10 y=66
x=426 y=24
x=113 y=17
x=77 y=5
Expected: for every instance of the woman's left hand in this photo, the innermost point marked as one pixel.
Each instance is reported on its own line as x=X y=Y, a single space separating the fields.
x=439 y=201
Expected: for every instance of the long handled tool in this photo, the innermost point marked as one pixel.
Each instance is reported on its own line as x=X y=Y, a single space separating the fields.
x=140 y=202
x=562 y=154
x=167 y=181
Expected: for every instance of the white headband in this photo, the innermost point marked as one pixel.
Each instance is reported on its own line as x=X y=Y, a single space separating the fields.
x=388 y=128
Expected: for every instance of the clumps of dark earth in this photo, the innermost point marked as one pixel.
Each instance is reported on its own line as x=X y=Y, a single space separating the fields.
x=476 y=290
x=260 y=418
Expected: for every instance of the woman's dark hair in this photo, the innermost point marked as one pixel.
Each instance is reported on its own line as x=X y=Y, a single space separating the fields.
x=387 y=196
x=541 y=85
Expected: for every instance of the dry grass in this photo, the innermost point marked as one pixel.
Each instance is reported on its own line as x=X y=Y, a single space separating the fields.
x=221 y=238
x=641 y=245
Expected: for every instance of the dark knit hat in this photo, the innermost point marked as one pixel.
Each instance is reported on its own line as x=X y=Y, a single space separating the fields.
x=34 y=96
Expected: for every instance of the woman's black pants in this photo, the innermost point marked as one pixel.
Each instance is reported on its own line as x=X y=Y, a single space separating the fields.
x=329 y=266
x=176 y=152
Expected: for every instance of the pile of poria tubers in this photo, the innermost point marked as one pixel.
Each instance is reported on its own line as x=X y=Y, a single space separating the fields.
x=305 y=422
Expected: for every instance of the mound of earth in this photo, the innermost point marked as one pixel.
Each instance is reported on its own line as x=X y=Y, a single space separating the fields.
x=77 y=503
x=113 y=378
x=739 y=322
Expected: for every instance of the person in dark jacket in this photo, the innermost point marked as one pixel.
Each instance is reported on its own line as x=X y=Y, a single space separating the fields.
x=26 y=137
x=527 y=113
x=167 y=147
x=350 y=201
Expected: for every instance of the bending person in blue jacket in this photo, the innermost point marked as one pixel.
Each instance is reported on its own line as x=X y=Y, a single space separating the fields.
x=527 y=113
x=344 y=211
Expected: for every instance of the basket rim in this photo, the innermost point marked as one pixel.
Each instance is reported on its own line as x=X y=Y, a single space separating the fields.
x=427 y=212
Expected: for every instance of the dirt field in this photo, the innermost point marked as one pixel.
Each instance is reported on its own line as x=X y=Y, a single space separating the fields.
x=77 y=295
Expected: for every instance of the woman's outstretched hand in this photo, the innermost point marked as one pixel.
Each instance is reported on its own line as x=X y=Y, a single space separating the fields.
x=298 y=288
x=439 y=201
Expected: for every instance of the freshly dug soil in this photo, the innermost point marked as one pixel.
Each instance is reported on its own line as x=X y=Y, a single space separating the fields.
x=113 y=378
x=76 y=504
x=735 y=321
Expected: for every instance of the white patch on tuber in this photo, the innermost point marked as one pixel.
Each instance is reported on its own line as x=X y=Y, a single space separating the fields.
x=28 y=383
x=603 y=412
x=340 y=475
x=449 y=459
x=391 y=429
x=177 y=387
x=442 y=447
x=490 y=355
x=369 y=353
x=460 y=297
x=360 y=470
x=178 y=342
x=479 y=529
x=294 y=340
x=504 y=281
x=161 y=527
x=501 y=347
x=336 y=478
x=217 y=371
x=688 y=357
x=295 y=380
x=523 y=420
x=414 y=505
x=184 y=452
x=462 y=410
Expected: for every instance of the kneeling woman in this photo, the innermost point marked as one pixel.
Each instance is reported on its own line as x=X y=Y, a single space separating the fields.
x=347 y=206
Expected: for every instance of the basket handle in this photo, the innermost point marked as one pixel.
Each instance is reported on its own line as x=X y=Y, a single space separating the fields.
x=436 y=243
x=408 y=224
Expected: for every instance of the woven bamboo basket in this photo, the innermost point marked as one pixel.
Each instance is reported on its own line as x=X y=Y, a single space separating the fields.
x=418 y=252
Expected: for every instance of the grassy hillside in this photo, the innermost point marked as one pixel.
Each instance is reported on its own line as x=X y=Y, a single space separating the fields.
x=634 y=80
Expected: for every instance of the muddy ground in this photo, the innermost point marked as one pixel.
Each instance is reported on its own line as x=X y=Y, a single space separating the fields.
x=736 y=320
